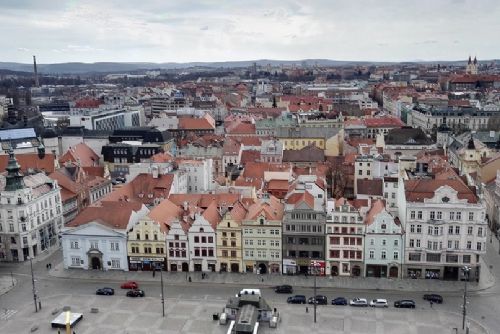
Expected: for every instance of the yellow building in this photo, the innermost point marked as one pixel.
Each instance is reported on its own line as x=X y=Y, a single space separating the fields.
x=146 y=246
x=301 y=136
x=229 y=248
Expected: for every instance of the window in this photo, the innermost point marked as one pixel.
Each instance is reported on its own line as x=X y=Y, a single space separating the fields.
x=384 y=242
x=396 y=255
x=478 y=246
x=419 y=214
x=459 y=215
x=466 y=259
x=419 y=228
x=210 y=239
x=429 y=230
x=439 y=215
x=457 y=229
x=432 y=215
x=470 y=230
x=383 y=256
x=450 y=244
x=196 y=239
x=471 y=215
x=480 y=232
x=430 y=257
x=115 y=264
x=412 y=243
x=452 y=215
x=450 y=229
x=396 y=242
x=412 y=228
x=75 y=261
x=114 y=246
x=372 y=254
x=94 y=244
x=457 y=244
x=418 y=243
x=74 y=245
x=384 y=226
x=415 y=257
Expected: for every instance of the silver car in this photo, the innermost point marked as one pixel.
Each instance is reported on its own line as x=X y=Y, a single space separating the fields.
x=379 y=303
x=359 y=302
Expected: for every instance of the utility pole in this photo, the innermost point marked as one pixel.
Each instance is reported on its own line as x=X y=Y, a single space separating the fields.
x=162 y=294
x=466 y=271
x=33 y=283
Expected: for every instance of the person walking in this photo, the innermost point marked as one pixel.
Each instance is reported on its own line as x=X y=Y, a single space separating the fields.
x=430 y=301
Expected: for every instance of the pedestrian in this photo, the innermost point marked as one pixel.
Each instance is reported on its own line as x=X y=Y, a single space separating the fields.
x=47 y=266
x=430 y=301
x=50 y=265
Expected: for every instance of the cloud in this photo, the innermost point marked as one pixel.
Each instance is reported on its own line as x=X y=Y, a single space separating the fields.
x=119 y=30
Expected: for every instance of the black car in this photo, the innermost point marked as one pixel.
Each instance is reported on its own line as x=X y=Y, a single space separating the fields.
x=339 y=301
x=297 y=299
x=434 y=298
x=105 y=291
x=405 y=303
x=283 y=289
x=135 y=293
x=320 y=300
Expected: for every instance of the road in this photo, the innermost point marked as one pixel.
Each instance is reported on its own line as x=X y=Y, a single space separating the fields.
x=483 y=306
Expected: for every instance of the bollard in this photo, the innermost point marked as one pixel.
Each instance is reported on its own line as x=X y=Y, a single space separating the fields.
x=189 y=279
x=307 y=309
x=39 y=305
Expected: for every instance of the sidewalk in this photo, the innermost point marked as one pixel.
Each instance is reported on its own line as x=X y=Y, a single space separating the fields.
x=359 y=283
x=7 y=282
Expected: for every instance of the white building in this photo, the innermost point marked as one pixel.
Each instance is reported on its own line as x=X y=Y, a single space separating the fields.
x=108 y=117
x=384 y=243
x=31 y=214
x=202 y=240
x=97 y=237
x=344 y=239
x=199 y=175
x=445 y=227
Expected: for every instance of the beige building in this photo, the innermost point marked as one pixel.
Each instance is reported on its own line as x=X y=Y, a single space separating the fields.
x=229 y=250
x=262 y=236
x=146 y=245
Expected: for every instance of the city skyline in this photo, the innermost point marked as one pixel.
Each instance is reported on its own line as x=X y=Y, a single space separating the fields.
x=120 y=31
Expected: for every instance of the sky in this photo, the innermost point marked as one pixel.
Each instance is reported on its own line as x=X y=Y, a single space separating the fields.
x=222 y=30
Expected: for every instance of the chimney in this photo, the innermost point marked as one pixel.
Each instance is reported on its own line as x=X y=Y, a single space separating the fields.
x=35 y=72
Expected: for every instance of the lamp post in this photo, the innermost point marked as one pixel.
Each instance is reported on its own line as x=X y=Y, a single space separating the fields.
x=162 y=294
x=466 y=270
x=315 y=265
x=33 y=283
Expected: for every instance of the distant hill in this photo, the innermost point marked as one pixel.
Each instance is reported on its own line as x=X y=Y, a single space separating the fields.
x=114 y=67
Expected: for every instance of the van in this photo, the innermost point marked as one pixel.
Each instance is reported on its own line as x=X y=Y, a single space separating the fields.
x=249 y=292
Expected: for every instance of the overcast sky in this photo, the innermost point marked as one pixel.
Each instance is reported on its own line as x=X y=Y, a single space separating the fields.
x=220 y=30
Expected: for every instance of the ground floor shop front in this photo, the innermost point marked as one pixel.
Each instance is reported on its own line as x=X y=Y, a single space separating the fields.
x=146 y=263
x=262 y=267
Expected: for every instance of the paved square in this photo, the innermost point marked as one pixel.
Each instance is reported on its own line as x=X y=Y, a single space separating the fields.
x=119 y=314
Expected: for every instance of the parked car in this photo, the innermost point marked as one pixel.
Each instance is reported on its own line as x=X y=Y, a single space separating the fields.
x=405 y=303
x=358 y=302
x=297 y=299
x=379 y=303
x=339 y=301
x=320 y=300
x=434 y=298
x=129 y=285
x=283 y=289
x=135 y=293
x=105 y=291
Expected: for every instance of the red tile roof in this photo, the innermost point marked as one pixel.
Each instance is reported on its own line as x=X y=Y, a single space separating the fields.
x=115 y=215
x=271 y=208
x=144 y=189
x=378 y=206
x=82 y=154
x=419 y=189
x=190 y=123
x=212 y=214
x=370 y=187
x=31 y=161
x=277 y=185
x=162 y=157
x=297 y=198
x=384 y=122
x=204 y=200
x=249 y=156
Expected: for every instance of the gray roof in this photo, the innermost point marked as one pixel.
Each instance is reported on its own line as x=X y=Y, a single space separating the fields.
x=306 y=132
x=17 y=134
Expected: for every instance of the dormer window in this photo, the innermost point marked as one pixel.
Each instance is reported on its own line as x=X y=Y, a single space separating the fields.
x=384 y=226
x=261 y=221
x=202 y=229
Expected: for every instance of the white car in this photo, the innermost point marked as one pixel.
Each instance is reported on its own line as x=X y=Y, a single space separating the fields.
x=379 y=303
x=358 y=302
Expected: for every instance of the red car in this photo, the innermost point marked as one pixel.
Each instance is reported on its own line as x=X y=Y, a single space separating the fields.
x=130 y=285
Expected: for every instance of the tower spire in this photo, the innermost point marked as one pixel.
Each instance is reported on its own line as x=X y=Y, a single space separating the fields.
x=14 y=178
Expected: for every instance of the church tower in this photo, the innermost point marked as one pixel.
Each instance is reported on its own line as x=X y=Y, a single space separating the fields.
x=471 y=66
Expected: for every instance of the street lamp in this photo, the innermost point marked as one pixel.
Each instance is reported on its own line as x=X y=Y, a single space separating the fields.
x=162 y=294
x=33 y=283
x=315 y=265
x=466 y=270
